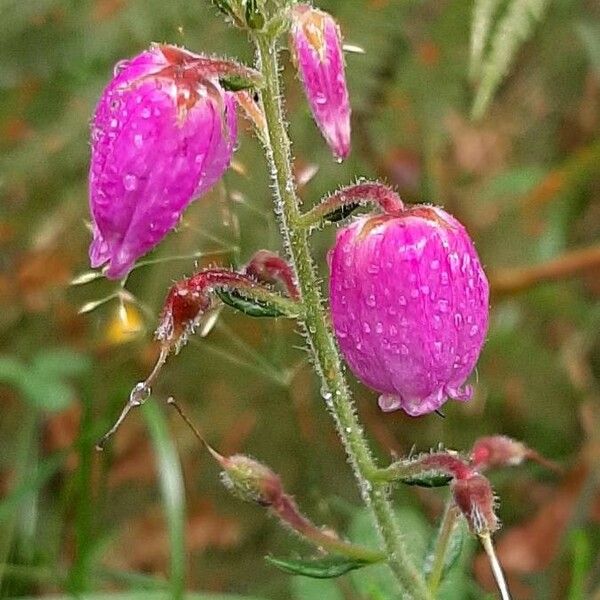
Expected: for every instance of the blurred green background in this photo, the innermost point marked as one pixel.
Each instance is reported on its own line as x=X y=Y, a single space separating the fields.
x=148 y=517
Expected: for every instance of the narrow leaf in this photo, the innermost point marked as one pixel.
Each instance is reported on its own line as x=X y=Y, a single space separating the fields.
x=341 y=213
x=320 y=568
x=61 y=362
x=454 y=548
x=254 y=17
x=249 y=306
x=483 y=15
x=428 y=479
x=515 y=27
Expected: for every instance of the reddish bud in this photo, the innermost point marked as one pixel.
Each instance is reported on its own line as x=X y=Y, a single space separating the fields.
x=268 y=267
x=250 y=480
x=498 y=451
x=475 y=499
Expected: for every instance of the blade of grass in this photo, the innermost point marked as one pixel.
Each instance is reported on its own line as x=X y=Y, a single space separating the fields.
x=79 y=575
x=171 y=483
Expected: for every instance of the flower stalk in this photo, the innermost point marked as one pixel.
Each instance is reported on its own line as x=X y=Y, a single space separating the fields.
x=320 y=337
x=344 y=201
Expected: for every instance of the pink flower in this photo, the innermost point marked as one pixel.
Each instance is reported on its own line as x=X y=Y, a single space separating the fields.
x=317 y=49
x=163 y=134
x=409 y=301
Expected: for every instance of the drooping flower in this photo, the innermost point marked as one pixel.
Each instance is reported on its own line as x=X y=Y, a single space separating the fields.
x=316 y=44
x=409 y=301
x=163 y=134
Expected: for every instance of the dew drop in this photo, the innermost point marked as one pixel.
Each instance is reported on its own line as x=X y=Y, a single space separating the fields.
x=425 y=289
x=370 y=301
x=138 y=140
x=146 y=112
x=473 y=331
x=379 y=327
x=366 y=327
x=443 y=305
x=130 y=182
x=435 y=265
x=120 y=67
x=404 y=349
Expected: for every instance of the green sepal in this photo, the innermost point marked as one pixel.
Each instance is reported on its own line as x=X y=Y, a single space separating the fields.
x=249 y=306
x=254 y=17
x=237 y=83
x=339 y=214
x=318 y=568
x=428 y=479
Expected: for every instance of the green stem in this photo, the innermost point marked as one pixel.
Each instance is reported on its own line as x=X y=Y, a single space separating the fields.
x=442 y=543
x=320 y=337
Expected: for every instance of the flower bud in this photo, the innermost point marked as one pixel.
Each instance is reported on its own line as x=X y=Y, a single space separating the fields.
x=409 y=302
x=475 y=499
x=498 y=451
x=250 y=480
x=163 y=133
x=316 y=43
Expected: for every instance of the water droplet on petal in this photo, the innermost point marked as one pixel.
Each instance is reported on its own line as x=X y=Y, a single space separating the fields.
x=130 y=182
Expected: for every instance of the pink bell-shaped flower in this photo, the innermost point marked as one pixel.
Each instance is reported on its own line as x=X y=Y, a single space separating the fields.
x=409 y=301
x=316 y=44
x=163 y=134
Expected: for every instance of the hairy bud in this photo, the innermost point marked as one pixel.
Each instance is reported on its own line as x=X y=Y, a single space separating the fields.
x=475 y=499
x=250 y=480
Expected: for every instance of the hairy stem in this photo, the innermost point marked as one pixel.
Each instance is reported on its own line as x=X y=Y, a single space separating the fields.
x=442 y=544
x=334 y=388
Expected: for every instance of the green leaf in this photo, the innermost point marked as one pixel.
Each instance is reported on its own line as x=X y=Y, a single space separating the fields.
x=254 y=17
x=61 y=362
x=249 y=306
x=33 y=482
x=589 y=34
x=171 y=484
x=428 y=479
x=378 y=582
x=319 y=568
x=341 y=213
x=237 y=83
x=38 y=388
x=514 y=28
x=46 y=393
x=146 y=595
x=305 y=588
x=456 y=543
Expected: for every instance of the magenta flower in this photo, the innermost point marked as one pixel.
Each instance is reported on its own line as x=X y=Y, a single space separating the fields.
x=317 y=49
x=409 y=301
x=163 y=134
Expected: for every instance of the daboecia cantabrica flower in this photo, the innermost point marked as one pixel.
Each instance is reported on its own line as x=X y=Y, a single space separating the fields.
x=409 y=301
x=163 y=134
x=316 y=43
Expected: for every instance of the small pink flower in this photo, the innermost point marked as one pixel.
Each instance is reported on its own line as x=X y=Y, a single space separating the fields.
x=317 y=49
x=163 y=134
x=409 y=301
